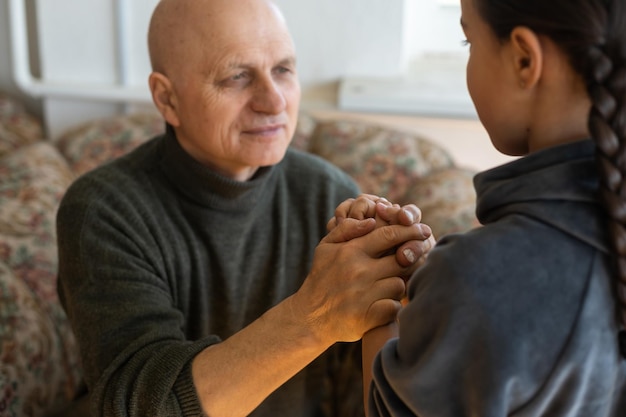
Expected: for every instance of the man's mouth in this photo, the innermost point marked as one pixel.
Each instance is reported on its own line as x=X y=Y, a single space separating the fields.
x=264 y=130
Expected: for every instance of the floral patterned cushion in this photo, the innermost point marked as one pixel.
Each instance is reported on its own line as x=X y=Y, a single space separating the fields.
x=304 y=131
x=403 y=167
x=94 y=143
x=17 y=126
x=40 y=365
x=382 y=161
x=32 y=373
x=447 y=200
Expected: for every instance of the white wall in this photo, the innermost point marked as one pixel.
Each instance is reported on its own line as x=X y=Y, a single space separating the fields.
x=78 y=46
x=335 y=40
x=6 y=80
x=432 y=26
x=5 y=63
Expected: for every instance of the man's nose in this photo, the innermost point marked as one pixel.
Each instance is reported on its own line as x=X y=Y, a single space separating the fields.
x=268 y=97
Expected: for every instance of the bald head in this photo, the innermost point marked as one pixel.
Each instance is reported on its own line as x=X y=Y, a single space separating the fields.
x=181 y=29
x=225 y=78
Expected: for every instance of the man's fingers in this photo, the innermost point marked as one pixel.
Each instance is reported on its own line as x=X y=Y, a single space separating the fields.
x=332 y=223
x=391 y=287
x=349 y=229
x=369 y=205
x=388 y=293
x=409 y=214
x=410 y=252
x=382 y=312
x=387 y=238
x=359 y=208
x=342 y=210
x=362 y=207
x=414 y=252
x=394 y=214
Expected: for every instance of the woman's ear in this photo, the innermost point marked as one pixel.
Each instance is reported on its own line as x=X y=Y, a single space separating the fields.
x=527 y=55
x=164 y=97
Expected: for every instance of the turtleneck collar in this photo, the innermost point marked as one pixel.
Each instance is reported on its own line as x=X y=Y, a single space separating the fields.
x=207 y=187
x=557 y=186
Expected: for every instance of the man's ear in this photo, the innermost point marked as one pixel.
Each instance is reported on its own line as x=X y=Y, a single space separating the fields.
x=164 y=97
x=527 y=55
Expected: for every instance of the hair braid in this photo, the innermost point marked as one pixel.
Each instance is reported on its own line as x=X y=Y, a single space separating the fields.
x=607 y=125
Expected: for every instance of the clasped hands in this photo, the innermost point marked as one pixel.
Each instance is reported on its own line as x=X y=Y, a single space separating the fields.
x=359 y=272
x=368 y=206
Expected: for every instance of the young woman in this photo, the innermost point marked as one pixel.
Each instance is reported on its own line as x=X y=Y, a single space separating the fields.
x=525 y=316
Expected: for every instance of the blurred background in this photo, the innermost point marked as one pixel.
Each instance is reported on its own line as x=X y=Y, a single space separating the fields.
x=400 y=62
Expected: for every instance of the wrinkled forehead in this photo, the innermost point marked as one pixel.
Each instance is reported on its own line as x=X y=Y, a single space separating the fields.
x=260 y=43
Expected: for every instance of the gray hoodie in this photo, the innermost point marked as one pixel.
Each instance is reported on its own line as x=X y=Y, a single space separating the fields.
x=515 y=318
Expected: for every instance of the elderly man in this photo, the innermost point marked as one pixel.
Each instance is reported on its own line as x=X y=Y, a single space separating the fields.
x=192 y=269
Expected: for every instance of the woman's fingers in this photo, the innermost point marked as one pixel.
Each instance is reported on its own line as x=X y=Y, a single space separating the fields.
x=394 y=214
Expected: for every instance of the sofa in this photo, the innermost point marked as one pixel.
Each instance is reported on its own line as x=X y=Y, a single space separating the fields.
x=40 y=372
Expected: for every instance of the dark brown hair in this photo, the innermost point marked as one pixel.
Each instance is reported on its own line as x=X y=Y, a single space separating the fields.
x=592 y=33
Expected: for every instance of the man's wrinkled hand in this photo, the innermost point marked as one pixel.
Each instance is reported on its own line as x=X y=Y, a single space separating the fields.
x=355 y=284
x=408 y=254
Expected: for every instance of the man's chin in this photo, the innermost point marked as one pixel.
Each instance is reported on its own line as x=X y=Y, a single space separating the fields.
x=272 y=158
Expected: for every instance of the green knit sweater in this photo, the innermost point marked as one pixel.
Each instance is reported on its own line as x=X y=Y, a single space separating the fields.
x=159 y=257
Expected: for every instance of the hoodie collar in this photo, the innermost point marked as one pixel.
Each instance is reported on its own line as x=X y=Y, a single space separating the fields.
x=557 y=186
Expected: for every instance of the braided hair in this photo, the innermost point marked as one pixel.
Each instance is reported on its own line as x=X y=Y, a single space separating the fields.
x=592 y=33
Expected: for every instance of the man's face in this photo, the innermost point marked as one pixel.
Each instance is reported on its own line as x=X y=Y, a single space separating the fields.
x=237 y=95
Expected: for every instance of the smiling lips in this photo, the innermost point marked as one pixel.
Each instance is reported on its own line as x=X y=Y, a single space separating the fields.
x=268 y=130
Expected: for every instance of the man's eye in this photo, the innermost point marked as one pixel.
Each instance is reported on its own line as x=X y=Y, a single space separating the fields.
x=283 y=71
x=235 y=81
x=239 y=76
